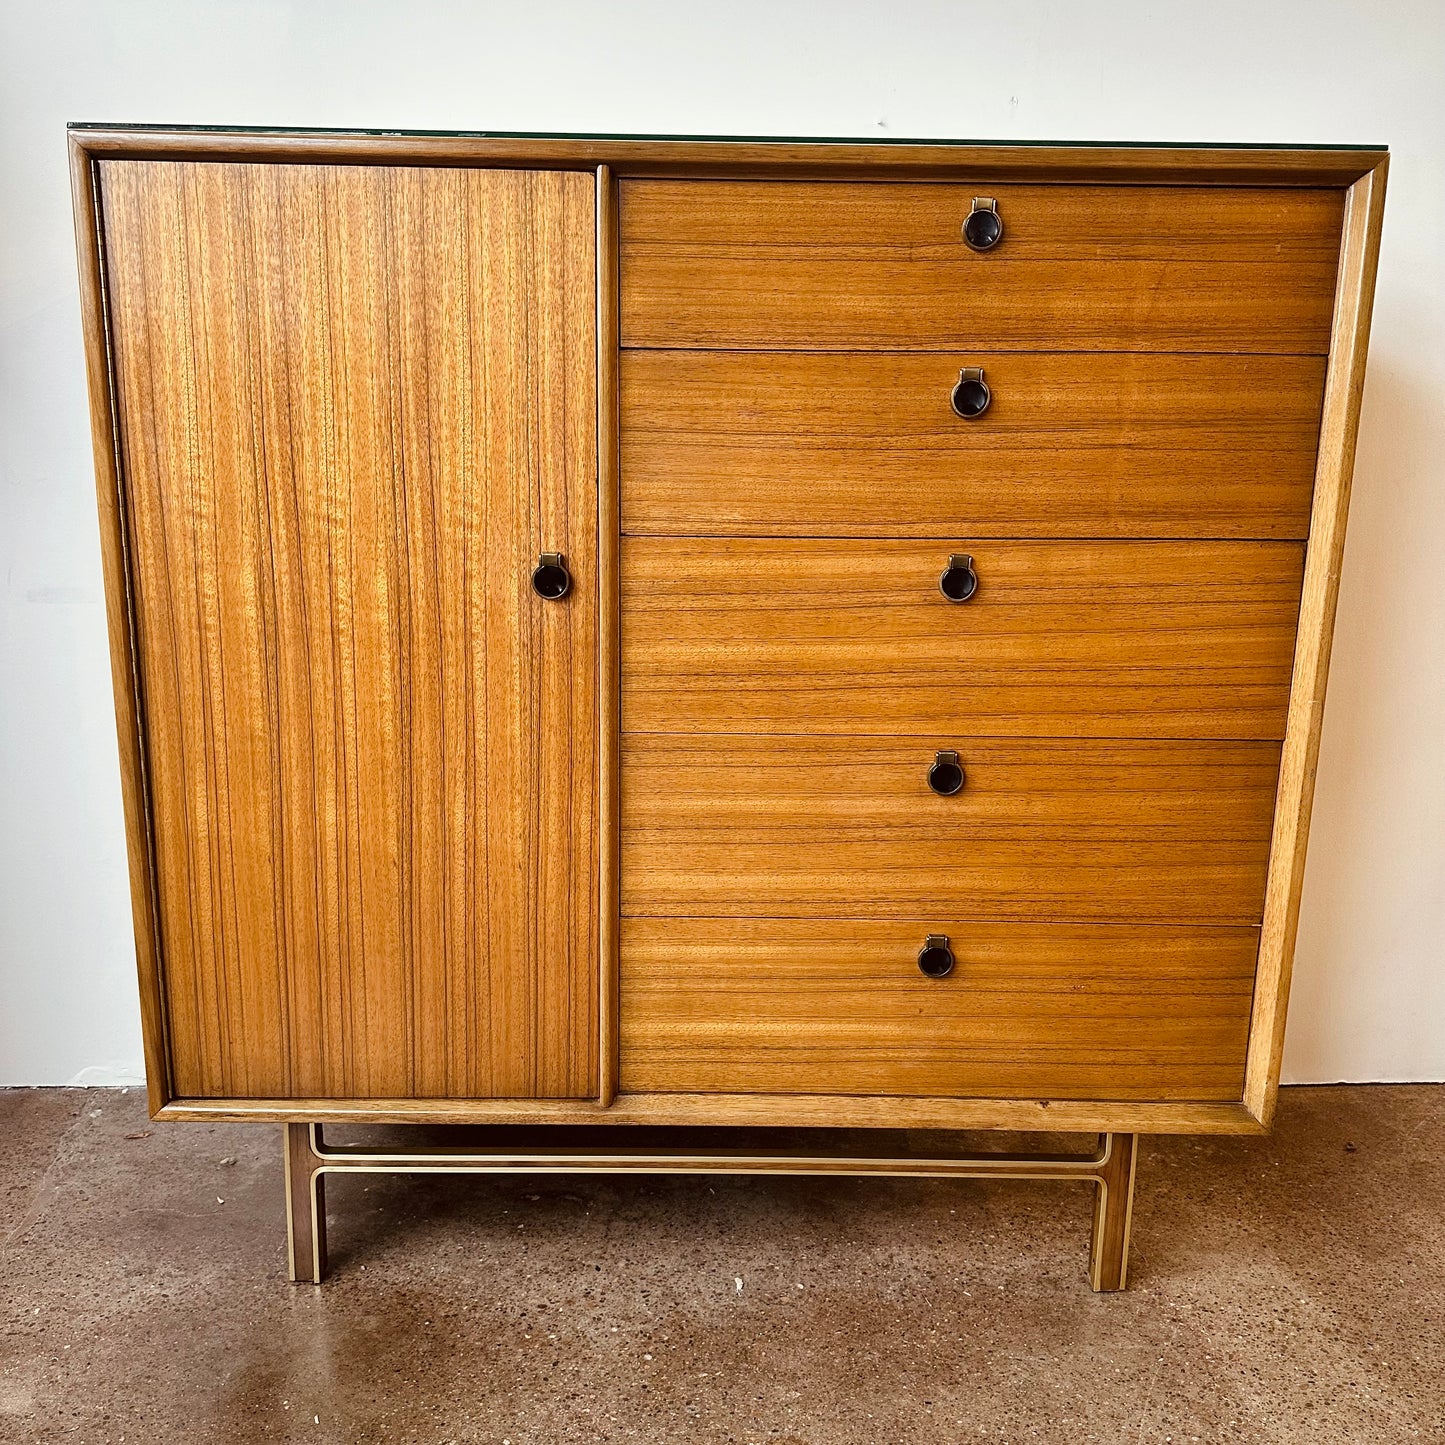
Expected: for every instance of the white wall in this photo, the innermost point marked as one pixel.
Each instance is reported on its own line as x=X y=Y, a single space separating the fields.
x=1369 y=998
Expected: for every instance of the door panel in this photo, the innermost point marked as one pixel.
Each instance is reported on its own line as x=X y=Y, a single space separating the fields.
x=355 y=405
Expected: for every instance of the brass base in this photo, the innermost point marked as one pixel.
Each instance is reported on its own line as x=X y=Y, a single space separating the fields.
x=309 y=1159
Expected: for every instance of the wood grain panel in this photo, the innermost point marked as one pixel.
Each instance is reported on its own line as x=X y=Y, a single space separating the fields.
x=837 y=265
x=1101 y=639
x=1038 y=1010
x=355 y=404
x=799 y=827
x=866 y=444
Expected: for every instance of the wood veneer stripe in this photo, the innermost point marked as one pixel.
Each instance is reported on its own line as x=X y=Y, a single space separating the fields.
x=609 y=620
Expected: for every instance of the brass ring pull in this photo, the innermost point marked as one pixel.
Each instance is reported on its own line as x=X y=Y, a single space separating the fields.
x=983 y=229
x=945 y=777
x=551 y=579
x=935 y=958
x=971 y=395
x=958 y=581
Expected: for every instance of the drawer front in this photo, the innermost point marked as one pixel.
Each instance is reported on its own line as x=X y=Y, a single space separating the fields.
x=796 y=827
x=1093 y=268
x=1103 y=639
x=867 y=444
x=1063 y=1011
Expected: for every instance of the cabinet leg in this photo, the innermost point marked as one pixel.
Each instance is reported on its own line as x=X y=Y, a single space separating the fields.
x=1113 y=1212
x=308 y=1159
x=305 y=1207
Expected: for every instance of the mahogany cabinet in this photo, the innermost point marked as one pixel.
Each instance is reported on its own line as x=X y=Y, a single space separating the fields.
x=652 y=635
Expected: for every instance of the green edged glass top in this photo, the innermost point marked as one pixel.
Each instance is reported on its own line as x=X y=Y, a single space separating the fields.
x=871 y=140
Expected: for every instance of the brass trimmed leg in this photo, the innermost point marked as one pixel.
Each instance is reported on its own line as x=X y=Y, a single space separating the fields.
x=308 y=1159
x=305 y=1205
x=1113 y=1211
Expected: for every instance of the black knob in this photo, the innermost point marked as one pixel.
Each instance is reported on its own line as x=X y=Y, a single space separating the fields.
x=945 y=777
x=551 y=579
x=984 y=227
x=935 y=958
x=959 y=581
x=971 y=396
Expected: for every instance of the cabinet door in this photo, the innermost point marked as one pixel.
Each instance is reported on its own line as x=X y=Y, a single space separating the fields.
x=355 y=405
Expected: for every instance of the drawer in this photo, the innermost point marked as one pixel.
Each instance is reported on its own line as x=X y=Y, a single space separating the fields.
x=1095 y=638
x=867 y=444
x=800 y=827
x=774 y=264
x=1062 y=1011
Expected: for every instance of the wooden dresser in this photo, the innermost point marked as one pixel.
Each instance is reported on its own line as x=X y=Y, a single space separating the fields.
x=654 y=635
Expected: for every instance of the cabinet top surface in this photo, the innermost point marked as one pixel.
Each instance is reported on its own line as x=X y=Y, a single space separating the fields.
x=1229 y=163
x=142 y=128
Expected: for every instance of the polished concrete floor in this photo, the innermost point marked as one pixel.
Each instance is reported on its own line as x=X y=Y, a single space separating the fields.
x=1284 y=1289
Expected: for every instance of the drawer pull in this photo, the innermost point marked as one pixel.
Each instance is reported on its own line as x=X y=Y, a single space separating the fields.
x=958 y=581
x=551 y=579
x=945 y=777
x=971 y=396
x=935 y=958
x=983 y=229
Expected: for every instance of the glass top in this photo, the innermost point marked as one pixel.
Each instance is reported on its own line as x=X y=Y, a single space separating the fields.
x=743 y=139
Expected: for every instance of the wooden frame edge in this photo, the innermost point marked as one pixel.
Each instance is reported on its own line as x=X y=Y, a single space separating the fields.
x=120 y=617
x=1339 y=428
x=609 y=687
x=797 y=159
x=746 y=1110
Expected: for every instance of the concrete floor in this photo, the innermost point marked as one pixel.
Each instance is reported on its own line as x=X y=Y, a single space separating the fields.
x=1284 y=1289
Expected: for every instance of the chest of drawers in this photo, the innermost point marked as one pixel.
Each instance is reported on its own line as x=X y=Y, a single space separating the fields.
x=655 y=637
